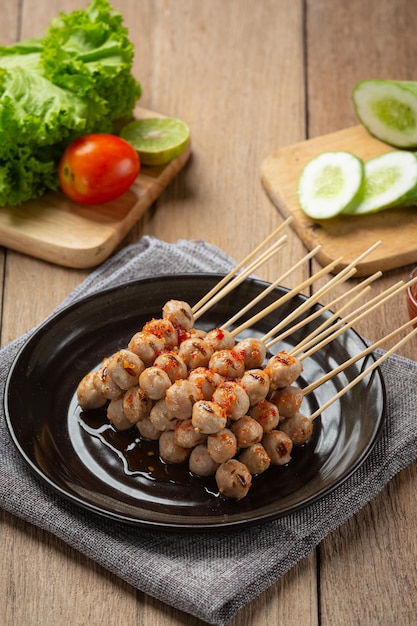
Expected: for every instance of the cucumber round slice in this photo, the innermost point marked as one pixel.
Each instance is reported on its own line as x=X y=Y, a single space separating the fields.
x=390 y=179
x=388 y=110
x=329 y=184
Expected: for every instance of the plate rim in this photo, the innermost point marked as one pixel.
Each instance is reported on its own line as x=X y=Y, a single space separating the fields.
x=221 y=522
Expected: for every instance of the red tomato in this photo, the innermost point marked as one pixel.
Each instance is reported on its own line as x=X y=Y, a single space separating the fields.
x=97 y=168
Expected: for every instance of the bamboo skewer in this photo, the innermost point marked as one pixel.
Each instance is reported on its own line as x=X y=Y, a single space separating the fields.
x=362 y=375
x=239 y=266
x=268 y=290
x=319 y=338
x=335 y=319
x=355 y=358
x=242 y=276
x=315 y=335
x=353 y=318
x=319 y=341
x=286 y=297
x=320 y=311
x=228 y=283
x=343 y=275
x=310 y=302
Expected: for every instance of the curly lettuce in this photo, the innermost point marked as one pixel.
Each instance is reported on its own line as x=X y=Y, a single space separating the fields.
x=74 y=80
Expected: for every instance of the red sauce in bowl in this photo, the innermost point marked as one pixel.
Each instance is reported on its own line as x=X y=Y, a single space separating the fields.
x=412 y=298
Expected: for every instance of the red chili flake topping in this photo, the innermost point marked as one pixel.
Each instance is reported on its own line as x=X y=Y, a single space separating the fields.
x=226 y=439
x=170 y=363
x=129 y=368
x=182 y=334
x=158 y=327
x=236 y=355
x=227 y=404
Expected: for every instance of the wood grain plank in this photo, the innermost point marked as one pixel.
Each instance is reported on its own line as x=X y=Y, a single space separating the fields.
x=234 y=72
x=367 y=566
x=235 y=112
x=44 y=581
x=66 y=583
x=192 y=62
x=346 y=236
x=371 y=543
x=56 y=229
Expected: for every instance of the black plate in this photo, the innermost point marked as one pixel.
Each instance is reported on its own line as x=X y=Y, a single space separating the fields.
x=114 y=474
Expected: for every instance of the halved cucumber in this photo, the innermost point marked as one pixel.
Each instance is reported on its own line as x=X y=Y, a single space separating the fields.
x=390 y=180
x=388 y=110
x=329 y=184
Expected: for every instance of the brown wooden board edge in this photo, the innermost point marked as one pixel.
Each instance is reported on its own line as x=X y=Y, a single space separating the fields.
x=313 y=233
x=82 y=255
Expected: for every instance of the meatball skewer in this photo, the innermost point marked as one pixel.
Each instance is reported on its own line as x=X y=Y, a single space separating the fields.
x=211 y=298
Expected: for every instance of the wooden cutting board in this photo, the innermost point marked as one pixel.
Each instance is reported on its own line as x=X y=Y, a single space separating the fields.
x=55 y=229
x=347 y=236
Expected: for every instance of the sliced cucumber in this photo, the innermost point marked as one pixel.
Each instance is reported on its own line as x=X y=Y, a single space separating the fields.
x=329 y=184
x=390 y=180
x=388 y=110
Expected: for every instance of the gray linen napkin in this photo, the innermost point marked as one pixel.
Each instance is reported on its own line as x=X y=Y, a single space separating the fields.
x=209 y=575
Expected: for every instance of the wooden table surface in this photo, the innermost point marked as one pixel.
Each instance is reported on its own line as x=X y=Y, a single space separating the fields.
x=250 y=77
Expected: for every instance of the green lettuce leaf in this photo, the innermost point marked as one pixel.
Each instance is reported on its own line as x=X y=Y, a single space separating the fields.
x=90 y=51
x=75 y=80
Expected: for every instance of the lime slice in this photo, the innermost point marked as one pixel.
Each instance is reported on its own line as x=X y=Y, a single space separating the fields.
x=390 y=180
x=388 y=110
x=158 y=140
x=329 y=184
